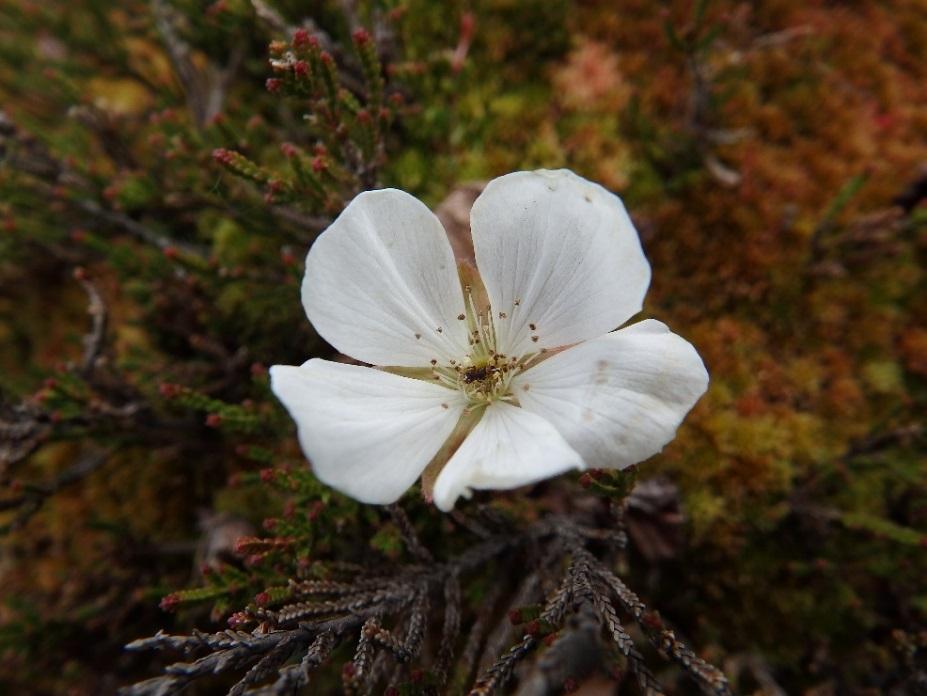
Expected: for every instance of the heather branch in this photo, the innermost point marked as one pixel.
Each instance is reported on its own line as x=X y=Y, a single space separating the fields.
x=409 y=535
x=450 y=630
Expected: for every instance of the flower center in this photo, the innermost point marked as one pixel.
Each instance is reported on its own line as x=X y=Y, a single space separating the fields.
x=484 y=375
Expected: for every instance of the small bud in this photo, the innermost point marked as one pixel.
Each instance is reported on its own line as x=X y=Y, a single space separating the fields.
x=239 y=619
x=315 y=510
x=268 y=475
x=262 y=599
x=170 y=252
x=532 y=628
x=168 y=390
x=289 y=150
x=301 y=68
x=213 y=420
x=170 y=602
x=361 y=37
x=270 y=524
x=254 y=559
x=652 y=619
x=273 y=84
x=585 y=480
x=363 y=116
x=258 y=370
x=319 y=164
x=217 y=8
x=301 y=38
x=467 y=26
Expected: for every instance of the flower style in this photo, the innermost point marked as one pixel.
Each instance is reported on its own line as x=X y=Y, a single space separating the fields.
x=492 y=380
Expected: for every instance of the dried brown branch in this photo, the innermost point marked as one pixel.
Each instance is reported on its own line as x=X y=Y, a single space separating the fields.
x=409 y=535
x=386 y=615
x=93 y=341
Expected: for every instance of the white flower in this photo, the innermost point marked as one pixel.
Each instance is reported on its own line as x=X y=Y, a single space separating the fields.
x=512 y=374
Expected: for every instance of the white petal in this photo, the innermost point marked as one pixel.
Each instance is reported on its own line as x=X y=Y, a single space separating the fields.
x=565 y=250
x=368 y=433
x=381 y=283
x=617 y=399
x=509 y=447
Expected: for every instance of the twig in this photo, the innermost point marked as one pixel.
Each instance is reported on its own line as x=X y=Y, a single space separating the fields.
x=35 y=495
x=409 y=535
x=93 y=341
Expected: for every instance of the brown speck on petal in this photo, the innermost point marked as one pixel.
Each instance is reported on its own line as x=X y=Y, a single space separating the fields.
x=533 y=327
x=418 y=337
x=534 y=338
x=461 y=317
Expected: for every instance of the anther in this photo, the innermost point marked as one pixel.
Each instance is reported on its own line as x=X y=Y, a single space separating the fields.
x=503 y=315
x=533 y=327
x=461 y=317
x=434 y=362
x=418 y=336
x=534 y=338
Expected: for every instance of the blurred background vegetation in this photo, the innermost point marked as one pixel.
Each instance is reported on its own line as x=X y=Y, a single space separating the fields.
x=167 y=166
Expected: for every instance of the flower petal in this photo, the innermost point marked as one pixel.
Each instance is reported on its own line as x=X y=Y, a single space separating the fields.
x=368 y=433
x=509 y=447
x=558 y=253
x=381 y=283
x=617 y=399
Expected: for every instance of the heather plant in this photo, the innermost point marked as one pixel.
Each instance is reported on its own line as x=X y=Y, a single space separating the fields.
x=165 y=166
